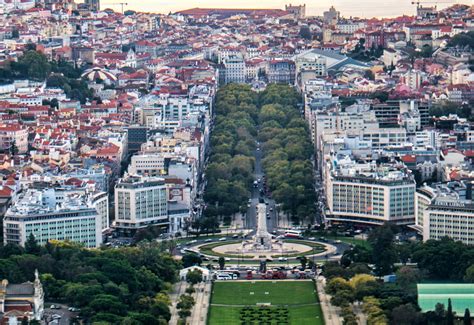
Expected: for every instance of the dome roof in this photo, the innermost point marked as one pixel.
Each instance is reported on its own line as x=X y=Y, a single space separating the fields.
x=99 y=73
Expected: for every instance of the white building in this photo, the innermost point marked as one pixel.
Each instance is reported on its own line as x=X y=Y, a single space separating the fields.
x=140 y=202
x=147 y=165
x=234 y=69
x=413 y=79
x=427 y=138
x=442 y=213
x=368 y=194
x=39 y=213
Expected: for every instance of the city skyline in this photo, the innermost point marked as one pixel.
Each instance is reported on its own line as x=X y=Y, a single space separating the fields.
x=363 y=8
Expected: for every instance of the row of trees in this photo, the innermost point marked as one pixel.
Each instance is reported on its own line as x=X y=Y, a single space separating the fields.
x=117 y=286
x=231 y=164
x=287 y=151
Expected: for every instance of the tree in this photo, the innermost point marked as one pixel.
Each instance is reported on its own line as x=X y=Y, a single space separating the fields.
x=348 y=315
x=221 y=262
x=194 y=276
x=15 y=33
x=405 y=315
x=13 y=148
x=467 y=317
x=383 y=253
x=426 y=51
x=185 y=302
x=449 y=313
x=334 y=270
x=303 y=261
x=375 y=315
x=305 y=32
x=382 y=96
x=369 y=74
x=407 y=277
x=469 y=276
x=191 y=259
x=31 y=245
x=184 y=313
x=338 y=284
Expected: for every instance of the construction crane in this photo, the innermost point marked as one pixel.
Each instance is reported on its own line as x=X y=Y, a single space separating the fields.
x=121 y=4
x=419 y=3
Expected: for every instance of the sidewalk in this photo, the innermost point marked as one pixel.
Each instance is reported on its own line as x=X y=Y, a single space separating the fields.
x=178 y=289
x=202 y=297
x=331 y=315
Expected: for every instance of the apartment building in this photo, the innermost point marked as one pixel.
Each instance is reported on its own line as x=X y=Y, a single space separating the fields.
x=234 y=69
x=14 y=135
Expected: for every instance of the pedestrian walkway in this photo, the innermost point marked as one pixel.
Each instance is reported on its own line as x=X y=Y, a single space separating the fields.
x=202 y=298
x=331 y=315
x=361 y=317
x=178 y=289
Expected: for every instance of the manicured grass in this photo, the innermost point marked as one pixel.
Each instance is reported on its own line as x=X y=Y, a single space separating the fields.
x=276 y=292
x=306 y=315
x=299 y=315
x=229 y=297
x=224 y=315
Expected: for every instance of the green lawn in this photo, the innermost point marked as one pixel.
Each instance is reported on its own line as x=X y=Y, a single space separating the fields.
x=300 y=297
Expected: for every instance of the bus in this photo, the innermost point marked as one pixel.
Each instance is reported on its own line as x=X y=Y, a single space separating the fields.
x=293 y=234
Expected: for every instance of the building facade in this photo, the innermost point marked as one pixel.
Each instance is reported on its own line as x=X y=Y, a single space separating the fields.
x=140 y=202
x=362 y=194
x=38 y=213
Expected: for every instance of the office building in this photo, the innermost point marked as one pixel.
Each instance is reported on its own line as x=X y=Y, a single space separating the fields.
x=148 y=165
x=367 y=193
x=137 y=135
x=140 y=202
x=443 y=212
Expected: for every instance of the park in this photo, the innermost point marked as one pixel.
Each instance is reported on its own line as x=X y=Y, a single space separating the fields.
x=270 y=302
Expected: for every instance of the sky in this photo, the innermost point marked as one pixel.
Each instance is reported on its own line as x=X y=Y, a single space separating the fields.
x=348 y=8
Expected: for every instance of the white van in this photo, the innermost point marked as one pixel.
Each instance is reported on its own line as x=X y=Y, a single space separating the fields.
x=226 y=276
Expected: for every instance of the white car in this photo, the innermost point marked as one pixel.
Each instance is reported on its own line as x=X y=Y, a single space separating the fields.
x=223 y=239
x=56 y=316
x=282 y=259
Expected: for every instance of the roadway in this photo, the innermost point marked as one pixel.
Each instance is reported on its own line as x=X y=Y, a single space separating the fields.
x=251 y=215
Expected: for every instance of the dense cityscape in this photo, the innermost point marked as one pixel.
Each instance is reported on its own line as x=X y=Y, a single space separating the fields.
x=230 y=166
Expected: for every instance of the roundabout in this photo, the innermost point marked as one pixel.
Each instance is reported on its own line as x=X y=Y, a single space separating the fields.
x=265 y=246
x=289 y=248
